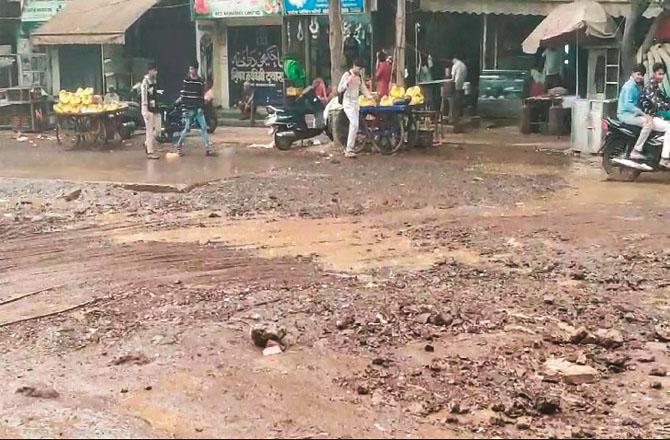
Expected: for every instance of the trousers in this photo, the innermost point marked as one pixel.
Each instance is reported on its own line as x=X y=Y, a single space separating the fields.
x=353 y=114
x=199 y=116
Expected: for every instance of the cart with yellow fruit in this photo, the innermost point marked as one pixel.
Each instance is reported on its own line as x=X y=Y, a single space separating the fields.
x=84 y=119
x=389 y=124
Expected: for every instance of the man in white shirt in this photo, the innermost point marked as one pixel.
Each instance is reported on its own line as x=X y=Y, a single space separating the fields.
x=352 y=86
x=459 y=73
x=150 y=113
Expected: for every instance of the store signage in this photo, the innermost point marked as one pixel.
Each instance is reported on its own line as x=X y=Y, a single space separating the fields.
x=255 y=57
x=41 y=10
x=261 y=66
x=319 y=7
x=207 y=9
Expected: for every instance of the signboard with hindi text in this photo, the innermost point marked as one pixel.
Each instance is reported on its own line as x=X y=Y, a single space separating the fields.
x=320 y=7
x=255 y=57
x=207 y=9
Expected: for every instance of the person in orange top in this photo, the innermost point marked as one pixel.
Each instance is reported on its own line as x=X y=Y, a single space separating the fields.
x=383 y=73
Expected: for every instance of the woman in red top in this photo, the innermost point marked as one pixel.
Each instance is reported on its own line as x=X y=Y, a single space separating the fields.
x=383 y=73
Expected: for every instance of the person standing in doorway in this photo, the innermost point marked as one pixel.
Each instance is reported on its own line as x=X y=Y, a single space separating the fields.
x=193 y=100
x=149 y=102
x=459 y=73
x=352 y=86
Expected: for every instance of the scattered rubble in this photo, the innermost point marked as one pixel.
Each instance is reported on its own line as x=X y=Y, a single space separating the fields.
x=38 y=392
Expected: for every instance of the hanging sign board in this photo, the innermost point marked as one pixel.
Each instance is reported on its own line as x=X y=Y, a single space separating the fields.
x=41 y=10
x=320 y=7
x=208 y=9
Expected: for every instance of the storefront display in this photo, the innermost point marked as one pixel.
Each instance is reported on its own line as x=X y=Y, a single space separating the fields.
x=501 y=93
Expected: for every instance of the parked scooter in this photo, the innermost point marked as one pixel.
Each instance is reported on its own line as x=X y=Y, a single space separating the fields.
x=304 y=119
x=617 y=145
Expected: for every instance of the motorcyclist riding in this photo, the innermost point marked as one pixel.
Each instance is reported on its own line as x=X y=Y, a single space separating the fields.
x=653 y=102
x=629 y=112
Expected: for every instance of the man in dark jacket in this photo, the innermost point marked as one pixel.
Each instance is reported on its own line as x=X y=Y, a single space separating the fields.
x=193 y=99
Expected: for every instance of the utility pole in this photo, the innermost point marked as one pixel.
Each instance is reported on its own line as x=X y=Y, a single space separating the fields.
x=400 y=39
x=335 y=37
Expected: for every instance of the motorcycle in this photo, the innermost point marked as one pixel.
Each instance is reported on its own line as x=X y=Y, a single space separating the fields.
x=173 y=120
x=617 y=145
x=304 y=119
x=131 y=118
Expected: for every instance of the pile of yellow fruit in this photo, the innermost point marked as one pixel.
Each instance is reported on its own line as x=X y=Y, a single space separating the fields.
x=365 y=102
x=415 y=94
x=399 y=93
x=82 y=102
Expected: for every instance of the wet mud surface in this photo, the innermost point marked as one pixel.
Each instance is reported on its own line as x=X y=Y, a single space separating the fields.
x=452 y=292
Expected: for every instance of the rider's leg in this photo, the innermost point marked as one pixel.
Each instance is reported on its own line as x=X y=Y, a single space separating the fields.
x=647 y=127
x=664 y=126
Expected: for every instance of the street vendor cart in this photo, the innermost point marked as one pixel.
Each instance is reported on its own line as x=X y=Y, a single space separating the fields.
x=88 y=128
x=385 y=127
x=84 y=119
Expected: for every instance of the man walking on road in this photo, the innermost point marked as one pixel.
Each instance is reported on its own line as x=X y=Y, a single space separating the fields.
x=149 y=102
x=352 y=86
x=193 y=99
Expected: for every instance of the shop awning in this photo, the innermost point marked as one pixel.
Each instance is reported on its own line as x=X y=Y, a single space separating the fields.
x=585 y=16
x=615 y=8
x=92 y=22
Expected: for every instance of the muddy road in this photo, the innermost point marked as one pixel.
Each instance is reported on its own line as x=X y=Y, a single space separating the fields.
x=453 y=292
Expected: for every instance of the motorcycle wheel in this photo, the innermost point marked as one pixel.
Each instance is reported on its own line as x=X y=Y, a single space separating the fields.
x=281 y=143
x=616 y=148
x=125 y=133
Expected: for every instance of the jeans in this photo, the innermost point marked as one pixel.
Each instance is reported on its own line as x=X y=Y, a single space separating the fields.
x=188 y=117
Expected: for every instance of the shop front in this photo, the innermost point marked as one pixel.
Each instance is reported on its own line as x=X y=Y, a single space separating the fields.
x=488 y=36
x=248 y=42
x=115 y=42
x=237 y=43
x=307 y=28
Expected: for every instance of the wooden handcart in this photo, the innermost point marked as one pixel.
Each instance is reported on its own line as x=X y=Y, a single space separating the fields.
x=88 y=128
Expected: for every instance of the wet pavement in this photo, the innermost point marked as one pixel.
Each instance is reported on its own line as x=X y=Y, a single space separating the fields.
x=423 y=295
x=125 y=162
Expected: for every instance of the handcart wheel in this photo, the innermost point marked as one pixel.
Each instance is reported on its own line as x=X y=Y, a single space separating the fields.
x=390 y=133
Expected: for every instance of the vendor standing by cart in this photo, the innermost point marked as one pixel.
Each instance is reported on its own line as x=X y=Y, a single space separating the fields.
x=351 y=87
x=150 y=112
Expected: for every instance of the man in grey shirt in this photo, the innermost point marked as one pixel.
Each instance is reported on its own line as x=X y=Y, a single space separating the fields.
x=352 y=86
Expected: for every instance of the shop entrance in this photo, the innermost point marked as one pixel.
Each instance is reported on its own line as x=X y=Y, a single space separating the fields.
x=254 y=54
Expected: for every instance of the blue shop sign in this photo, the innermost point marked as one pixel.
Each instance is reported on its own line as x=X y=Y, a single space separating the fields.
x=319 y=7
